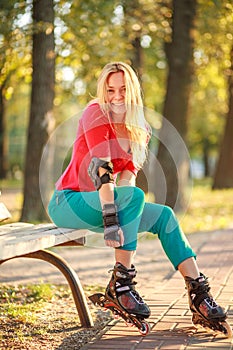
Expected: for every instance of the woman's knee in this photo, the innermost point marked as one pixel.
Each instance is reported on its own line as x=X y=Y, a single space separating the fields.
x=137 y=201
x=139 y=195
x=168 y=211
x=129 y=196
x=170 y=219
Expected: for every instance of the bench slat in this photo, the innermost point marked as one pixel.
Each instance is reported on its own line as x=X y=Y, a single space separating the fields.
x=30 y=238
x=6 y=228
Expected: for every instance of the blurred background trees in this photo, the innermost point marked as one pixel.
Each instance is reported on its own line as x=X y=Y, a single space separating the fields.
x=41 y=121
x=87 y=35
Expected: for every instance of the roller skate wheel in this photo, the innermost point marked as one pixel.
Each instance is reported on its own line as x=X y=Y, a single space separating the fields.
x=222 y=327
x=227 y=329
x=145 y=328
x=128 y=322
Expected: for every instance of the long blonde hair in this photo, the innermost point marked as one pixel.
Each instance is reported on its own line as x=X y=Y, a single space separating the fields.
x=138 y=128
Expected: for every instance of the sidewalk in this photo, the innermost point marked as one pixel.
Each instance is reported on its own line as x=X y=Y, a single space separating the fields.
x=170 y=320
x=162 y=288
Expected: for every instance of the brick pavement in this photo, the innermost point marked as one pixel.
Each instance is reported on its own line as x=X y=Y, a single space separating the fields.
x=161 y=287
x=170 y=319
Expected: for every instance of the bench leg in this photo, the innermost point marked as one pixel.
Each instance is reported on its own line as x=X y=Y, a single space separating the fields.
x=72 y=279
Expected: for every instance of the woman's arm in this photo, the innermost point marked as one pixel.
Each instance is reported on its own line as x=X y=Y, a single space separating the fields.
x=106 y=194
x=106 y=191
x=127 y=178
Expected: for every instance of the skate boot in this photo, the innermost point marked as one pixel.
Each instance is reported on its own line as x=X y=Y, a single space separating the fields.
x=206 y=312
x=121 y=290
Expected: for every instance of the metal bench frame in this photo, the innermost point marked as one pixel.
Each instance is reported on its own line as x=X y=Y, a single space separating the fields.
x=20 y=240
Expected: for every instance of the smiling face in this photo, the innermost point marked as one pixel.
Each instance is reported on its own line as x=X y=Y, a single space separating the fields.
x=116 y=93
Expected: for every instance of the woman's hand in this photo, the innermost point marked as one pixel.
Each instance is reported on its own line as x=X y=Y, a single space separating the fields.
x=116 y=244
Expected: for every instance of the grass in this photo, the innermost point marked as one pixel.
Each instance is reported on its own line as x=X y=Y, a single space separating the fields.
x=32 y=315
x=11 y=183
x=208 y=210
x=20 y=307
x=22 y=302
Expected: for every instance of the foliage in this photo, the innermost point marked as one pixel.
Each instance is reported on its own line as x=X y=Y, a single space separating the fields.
x=89 y=34
x=94 y=33
x=14 y=67
x=208 y=210
x=212 y=58
x=14 y=46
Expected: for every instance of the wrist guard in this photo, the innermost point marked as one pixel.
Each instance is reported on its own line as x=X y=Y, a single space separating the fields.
x=93 y=172
x=111 y=222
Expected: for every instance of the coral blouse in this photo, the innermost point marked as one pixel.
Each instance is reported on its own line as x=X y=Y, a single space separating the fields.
x=96 y=137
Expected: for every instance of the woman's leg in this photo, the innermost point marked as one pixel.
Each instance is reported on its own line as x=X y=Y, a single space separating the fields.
x=125 y=257
x=161 y=220
x=189 y=268
x=83 y=210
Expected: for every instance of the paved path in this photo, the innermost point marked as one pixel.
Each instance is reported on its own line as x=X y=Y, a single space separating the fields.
x=162 y=288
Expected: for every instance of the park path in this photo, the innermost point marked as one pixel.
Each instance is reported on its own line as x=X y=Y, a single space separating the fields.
x=162 y=288
x=164 y=292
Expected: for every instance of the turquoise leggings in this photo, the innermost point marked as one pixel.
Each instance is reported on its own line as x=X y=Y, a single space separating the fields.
x=82 y=210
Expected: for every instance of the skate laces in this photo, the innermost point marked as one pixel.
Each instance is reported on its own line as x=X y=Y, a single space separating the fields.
x=125 y=282
x=129 y=284
x=211 y=302
x=201 y=287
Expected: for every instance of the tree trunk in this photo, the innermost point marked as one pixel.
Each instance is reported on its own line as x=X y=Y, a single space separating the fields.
x=137 y=63
x=172 y=154
x=41 y=111
x=206 y=157
x=3 y=140
x=223 y=177
x=136 y=57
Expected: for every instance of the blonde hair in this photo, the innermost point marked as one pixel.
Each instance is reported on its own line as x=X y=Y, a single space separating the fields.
x=138 y=129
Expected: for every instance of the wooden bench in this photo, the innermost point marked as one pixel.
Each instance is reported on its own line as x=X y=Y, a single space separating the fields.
x=25 y=240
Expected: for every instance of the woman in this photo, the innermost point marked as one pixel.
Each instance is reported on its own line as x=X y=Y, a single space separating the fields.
x=97 y=192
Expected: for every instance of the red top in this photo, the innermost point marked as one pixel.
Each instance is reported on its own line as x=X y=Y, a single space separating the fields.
x=96 y=137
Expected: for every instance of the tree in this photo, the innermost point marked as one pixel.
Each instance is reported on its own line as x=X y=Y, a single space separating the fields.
x=223 y=177
x=11 y=37
x=209 y=89
x=5 y=30
x=179 y=53
x=41 y=120
x=3 y=140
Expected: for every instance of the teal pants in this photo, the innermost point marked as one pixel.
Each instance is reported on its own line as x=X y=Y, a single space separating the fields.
x=82 y=210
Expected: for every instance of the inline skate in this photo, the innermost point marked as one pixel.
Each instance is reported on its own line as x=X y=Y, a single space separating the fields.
x=123 y=300
x=206 y=312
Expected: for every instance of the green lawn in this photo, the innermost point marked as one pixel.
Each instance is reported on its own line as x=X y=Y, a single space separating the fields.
x=43 y=316
x=208 y=210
